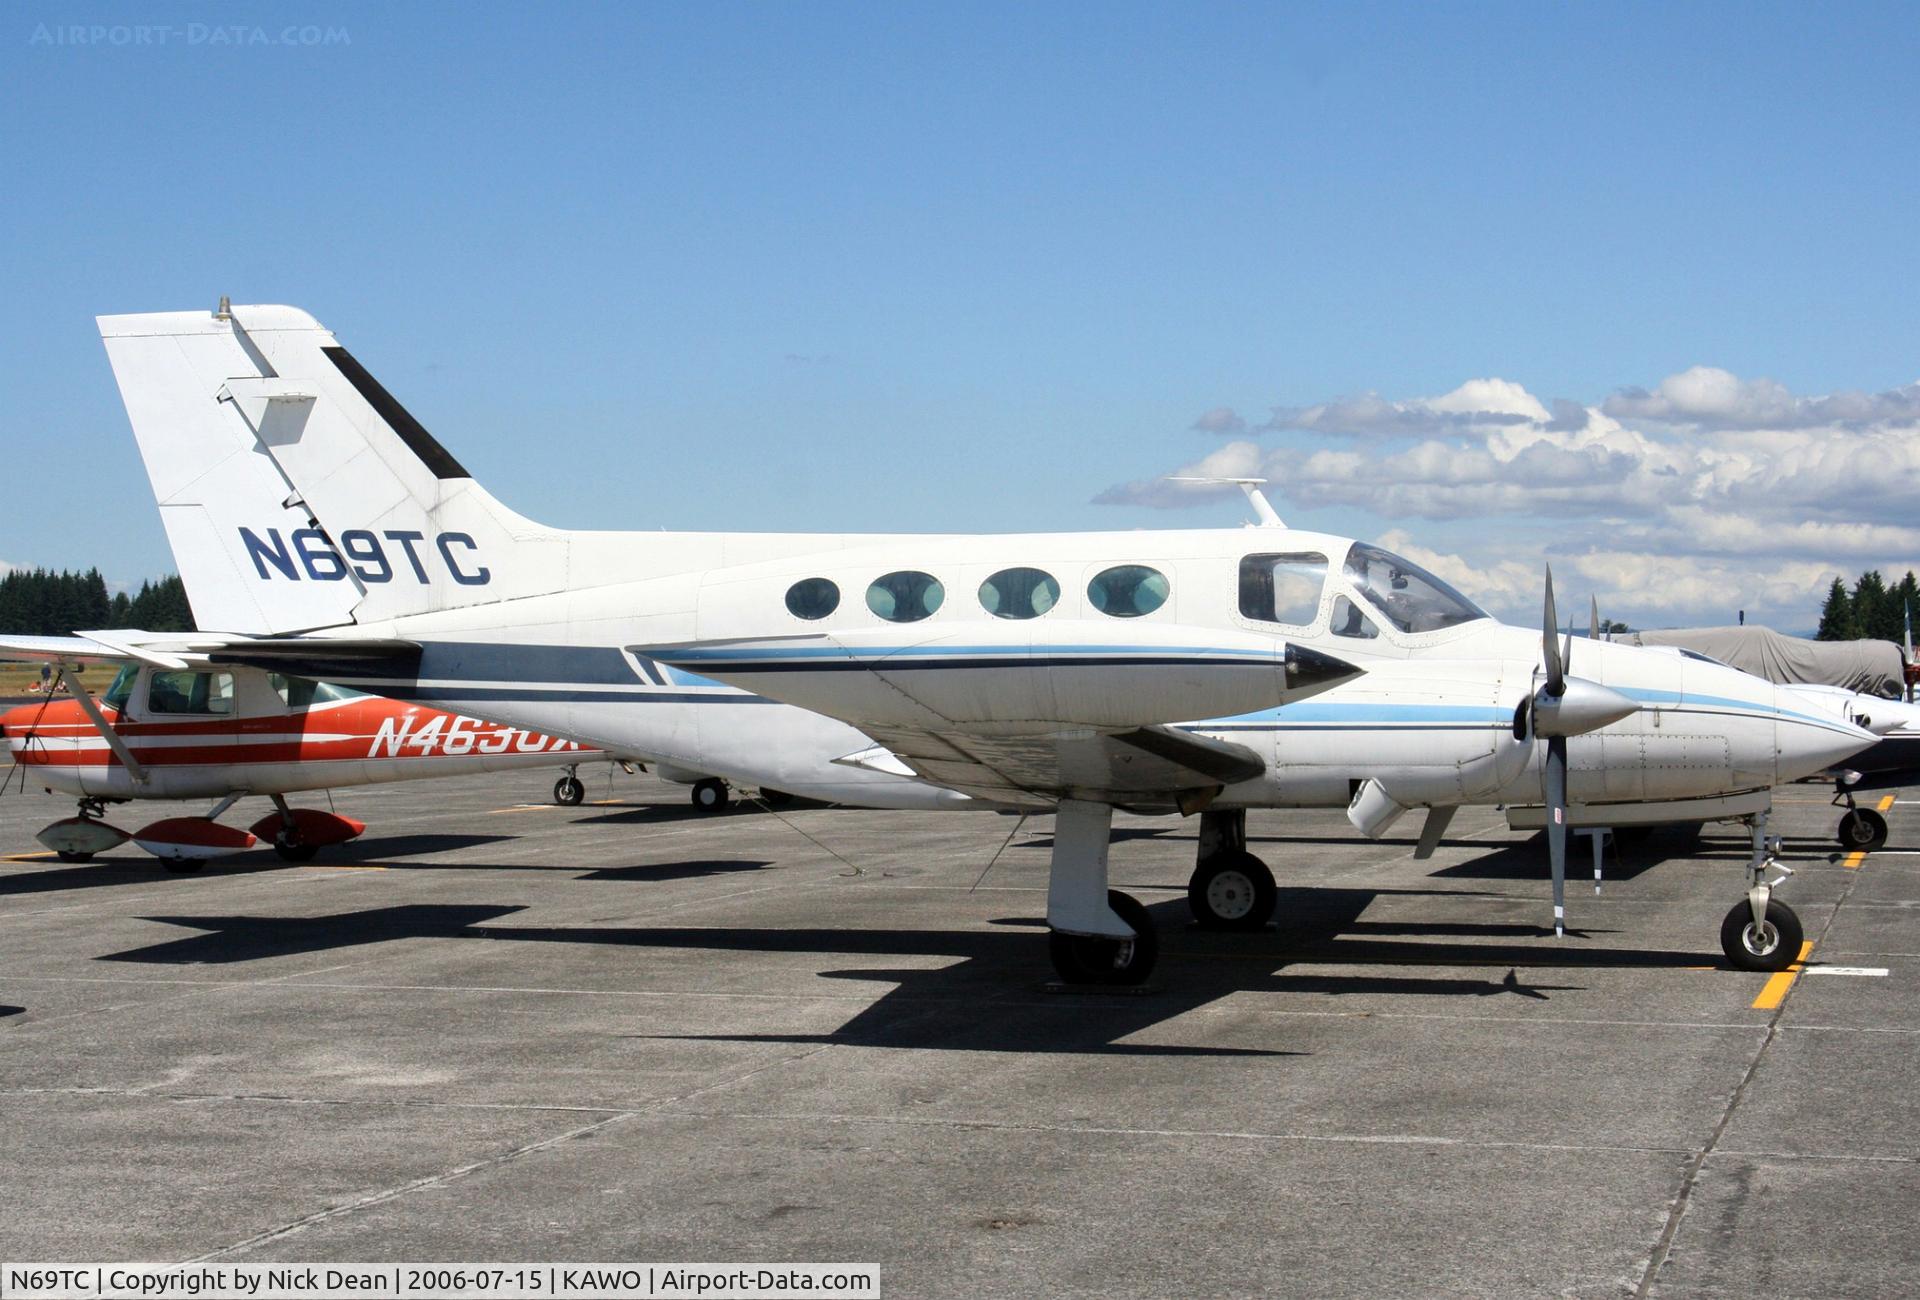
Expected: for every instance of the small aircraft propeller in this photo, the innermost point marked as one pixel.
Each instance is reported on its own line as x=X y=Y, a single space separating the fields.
x=1564 y=706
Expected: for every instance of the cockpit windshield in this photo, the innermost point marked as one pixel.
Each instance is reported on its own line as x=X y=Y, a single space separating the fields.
x=1409 y=597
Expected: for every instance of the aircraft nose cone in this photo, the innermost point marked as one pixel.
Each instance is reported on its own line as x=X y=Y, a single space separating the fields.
x=1584 y=706
x=1806 y=746
x=1312 y=671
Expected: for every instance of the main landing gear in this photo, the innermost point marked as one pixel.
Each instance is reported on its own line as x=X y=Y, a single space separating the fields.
x=568 y=791
x=1762 y=933
x=1098 y=935
x=1230 y=888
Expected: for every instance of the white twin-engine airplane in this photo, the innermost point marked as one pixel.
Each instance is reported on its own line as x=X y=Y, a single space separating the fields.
x=317 y=521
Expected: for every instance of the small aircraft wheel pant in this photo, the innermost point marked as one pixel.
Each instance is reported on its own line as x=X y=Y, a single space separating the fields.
x=1772 y=945
x=1231 y=891
x=1863 y=830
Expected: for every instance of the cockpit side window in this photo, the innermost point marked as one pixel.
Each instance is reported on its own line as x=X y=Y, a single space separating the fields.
x=202 y=693
x=1409 y=597
x=1349 y=621
x=1283 y=588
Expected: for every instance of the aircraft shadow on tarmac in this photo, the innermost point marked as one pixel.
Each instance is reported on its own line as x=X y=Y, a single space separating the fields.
x=993 y=992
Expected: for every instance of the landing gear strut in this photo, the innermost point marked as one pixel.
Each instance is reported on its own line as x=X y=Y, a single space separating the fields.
x=1098 y=935
x=1760 y=932
x=286 y=840
x=568 y=791
x=1230 y=888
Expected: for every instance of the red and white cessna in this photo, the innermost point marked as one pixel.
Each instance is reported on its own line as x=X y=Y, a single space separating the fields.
x=171 y=726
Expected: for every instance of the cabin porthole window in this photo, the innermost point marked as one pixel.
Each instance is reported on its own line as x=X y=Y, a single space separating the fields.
x=1128 y=591
x=906 y=596
x=812 y=598
x=1019 y=593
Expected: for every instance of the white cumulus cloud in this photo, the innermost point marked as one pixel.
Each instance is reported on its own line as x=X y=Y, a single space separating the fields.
x=1708 y=489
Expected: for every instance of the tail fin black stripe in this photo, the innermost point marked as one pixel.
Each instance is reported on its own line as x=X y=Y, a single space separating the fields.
x=411 y=431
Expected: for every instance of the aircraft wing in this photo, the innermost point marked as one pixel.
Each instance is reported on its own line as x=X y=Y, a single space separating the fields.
x=61 y=650
x=1147 y=765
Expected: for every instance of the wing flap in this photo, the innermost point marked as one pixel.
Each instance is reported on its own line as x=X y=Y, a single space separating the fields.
x=1144 y=765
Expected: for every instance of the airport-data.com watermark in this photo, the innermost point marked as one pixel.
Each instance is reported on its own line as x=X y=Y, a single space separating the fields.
x=205 y=35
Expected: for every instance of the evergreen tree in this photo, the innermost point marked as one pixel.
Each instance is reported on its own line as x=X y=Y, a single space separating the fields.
x=1874 y=611
x=1836 y=616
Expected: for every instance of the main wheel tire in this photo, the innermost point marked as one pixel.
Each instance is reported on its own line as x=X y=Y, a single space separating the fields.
x=568 y=792
x=1231 y=891
x=1771 y=947
x=67 y=855
x=294 y=851
x=1863 y=830
x=1085 y=959
x=183 y=866
x=710 y=795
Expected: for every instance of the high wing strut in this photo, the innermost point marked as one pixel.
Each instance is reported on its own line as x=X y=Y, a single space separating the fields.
x=108 y=734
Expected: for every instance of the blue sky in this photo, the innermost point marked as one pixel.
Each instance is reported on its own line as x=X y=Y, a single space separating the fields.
x=952 y=267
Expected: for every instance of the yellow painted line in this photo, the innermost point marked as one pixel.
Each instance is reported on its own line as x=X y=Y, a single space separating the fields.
x=1854 y=859
x=524 y=807
x=1780 y=981
x=1886 y=803
x=31 y=857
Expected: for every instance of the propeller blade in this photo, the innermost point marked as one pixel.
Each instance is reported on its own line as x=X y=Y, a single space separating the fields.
x=1550 y=643
x=1556 y=791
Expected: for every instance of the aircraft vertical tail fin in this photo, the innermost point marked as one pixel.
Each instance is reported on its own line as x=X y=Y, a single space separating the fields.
x=211 y=483
x=297 y=491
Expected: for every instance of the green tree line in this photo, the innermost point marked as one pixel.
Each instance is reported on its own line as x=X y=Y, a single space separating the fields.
x=40 y=602
x=1872 y=609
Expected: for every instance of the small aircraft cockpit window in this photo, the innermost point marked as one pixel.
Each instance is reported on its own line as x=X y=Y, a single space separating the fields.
x=1019 y=593
x=190 y=693
x=1412 y=599
x=1128 y=590
x=304 y=692
x=116 y=696
x=1349 y=621
x=812 y=598
x=905 y=597
x=1283 y=588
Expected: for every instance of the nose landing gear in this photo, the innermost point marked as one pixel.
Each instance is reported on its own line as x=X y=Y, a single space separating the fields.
x=1761 y=933
x=1862 y=830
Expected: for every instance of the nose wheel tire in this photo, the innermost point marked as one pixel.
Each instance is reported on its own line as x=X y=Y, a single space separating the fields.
x=710 y=795
x=294 y=851
x=1863 y=830
x=568 y=792
x=1231 y=891
x=1772 y=946
x=68 y=855
x=1086 y=959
